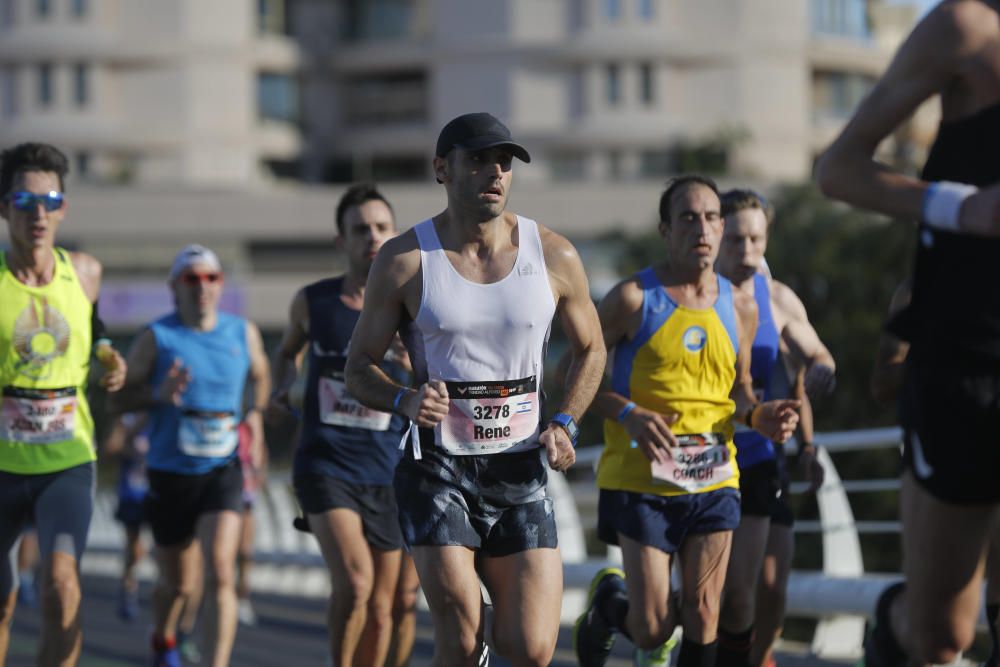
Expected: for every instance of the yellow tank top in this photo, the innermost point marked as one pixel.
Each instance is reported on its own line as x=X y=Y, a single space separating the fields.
x=45 y=345
x=682 y=360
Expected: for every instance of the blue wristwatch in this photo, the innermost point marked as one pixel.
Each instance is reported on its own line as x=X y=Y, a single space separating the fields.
x=568 y=423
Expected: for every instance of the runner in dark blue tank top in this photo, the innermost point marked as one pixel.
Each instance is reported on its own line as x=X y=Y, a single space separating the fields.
x=751 y=614
x=347 y=453
x=950 y=402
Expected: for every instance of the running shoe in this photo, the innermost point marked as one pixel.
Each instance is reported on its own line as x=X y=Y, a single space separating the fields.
x=881 y=648
x=128 y=604
x=188 y=648
x=245 y=612
x=592 y=638
x=659 y=656
x=168 y=657
x=27 y=594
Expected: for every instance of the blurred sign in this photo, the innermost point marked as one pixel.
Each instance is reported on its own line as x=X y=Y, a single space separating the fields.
x=137 y=303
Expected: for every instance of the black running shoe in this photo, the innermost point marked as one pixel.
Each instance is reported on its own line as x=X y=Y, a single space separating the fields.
x=881 y=648
x=592 y=638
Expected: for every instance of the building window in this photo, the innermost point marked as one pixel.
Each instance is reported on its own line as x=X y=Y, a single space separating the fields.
x=399 y=167
x=612 y=9
x=647 y=9
x=8 y=92
x=272 y=17
x=613 y=84
x=378 y=19
x=81 y=92
x=278 y=97
x=83 y=165
x=577 y=93
x=79 y=8
x=616 y=170
x=45 y=85
x=841 y=18
x=385 y=99
x=568 y=166
x=656 y=163
x=647 y=83
x=8 y=14
x=43 y=8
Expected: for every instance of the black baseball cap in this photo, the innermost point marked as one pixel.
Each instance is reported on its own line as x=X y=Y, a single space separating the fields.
x=476 y=131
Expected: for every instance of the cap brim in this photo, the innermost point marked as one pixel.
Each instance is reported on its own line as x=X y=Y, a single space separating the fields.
x=479 y=143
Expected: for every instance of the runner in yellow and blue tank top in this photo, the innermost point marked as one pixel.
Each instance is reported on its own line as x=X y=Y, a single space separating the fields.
x=48 y=328
x=669 y=484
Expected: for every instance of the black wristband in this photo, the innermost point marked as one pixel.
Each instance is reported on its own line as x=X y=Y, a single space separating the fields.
x=748 y=420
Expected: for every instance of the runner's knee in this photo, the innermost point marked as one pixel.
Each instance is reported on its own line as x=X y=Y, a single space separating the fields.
x=521 y=650
x=700 y=612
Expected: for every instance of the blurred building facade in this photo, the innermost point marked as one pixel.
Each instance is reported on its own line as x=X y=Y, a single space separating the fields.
x=235 y=123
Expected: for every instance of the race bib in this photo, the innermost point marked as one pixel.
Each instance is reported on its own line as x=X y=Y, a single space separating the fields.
x=338 y=408
x=211 y=434
x=38 y=416
x=702 y=460
x=490 y=417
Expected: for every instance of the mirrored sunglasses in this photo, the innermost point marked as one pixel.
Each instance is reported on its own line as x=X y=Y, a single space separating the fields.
x=192 y=279
x=29 y=201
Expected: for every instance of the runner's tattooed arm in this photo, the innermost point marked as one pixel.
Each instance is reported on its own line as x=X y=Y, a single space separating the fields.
x=392 y=292
x=802 y=341
x=774 y=419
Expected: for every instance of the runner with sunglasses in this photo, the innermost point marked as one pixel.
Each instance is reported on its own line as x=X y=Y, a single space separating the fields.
x=189 y=370
x=48 y=330
x=753 y=600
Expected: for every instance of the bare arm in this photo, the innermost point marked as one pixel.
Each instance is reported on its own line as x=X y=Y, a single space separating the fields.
x=774 y=419
x=580 y=323
x=260 y=378
x=803 y=342
x=809 y=466
x=583 y=329
x=395 y=270
x=926 y=63
x=620 y=313
x=293 y=340
x=939 y=56
x=887 y=375
x=746 y=330
x=137 y=394
x=88 y=271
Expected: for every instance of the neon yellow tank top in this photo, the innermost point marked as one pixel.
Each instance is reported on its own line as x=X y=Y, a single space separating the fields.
x=45 y=344
x=682 y=360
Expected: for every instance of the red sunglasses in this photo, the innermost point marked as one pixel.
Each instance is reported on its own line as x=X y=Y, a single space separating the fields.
x=192 y=279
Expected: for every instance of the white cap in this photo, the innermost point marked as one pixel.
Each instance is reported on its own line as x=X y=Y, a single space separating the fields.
x=194 y=254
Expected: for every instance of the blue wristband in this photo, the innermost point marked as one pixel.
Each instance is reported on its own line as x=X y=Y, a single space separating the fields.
x=629 y=407
x=399 y=397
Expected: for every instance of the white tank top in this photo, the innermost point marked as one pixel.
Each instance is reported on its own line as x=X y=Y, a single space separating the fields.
x=487 y=342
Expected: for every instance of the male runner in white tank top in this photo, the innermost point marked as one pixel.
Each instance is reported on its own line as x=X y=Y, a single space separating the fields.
x=473 y=291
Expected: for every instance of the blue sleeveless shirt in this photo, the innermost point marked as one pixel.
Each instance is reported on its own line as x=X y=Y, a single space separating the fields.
x=752 y=447
x=340 y=437
x=201 y=434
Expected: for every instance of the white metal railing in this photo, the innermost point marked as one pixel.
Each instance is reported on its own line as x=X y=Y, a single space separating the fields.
x=841 y=596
